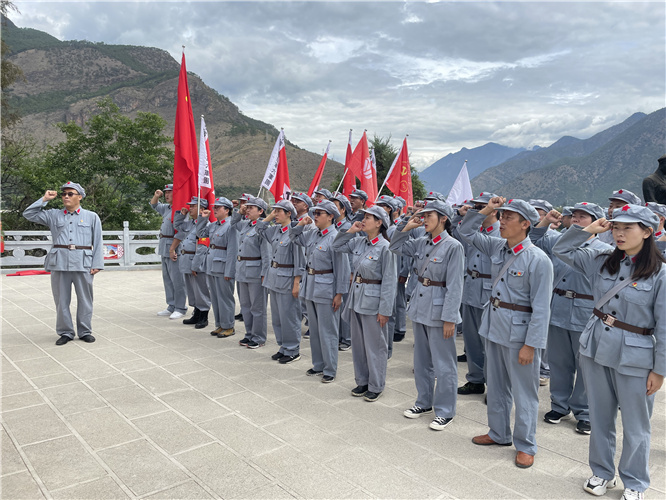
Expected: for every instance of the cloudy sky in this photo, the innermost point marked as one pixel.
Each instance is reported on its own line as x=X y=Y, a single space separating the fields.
x=449 y=74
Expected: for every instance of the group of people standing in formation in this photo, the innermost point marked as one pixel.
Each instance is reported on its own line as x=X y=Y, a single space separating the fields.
x=584 y=289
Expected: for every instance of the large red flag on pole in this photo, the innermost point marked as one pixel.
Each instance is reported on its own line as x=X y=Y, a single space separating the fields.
x=276 y=178
x=348 y=183
x=399 y=177
x=358 y=157
x=320 y=171
x=206 y=184
x=185 y=159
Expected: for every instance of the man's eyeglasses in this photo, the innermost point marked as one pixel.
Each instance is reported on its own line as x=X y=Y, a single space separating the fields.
x=319 y=213
x=68 y=193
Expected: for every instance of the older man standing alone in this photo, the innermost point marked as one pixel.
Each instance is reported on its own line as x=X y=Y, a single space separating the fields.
x=76 y=256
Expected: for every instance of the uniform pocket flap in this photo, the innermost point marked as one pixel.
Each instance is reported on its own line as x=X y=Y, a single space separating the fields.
x=437 y=260
x=636 y=340
x=520 y=319
x=219 y=259
x=518 y=273
x=371 y=291
x=438 y=301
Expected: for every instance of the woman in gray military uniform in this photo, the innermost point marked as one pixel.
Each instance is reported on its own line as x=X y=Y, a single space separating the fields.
x=623 y=346
x=343 y=223
x=371 y=299
x=220 y=264
x=283 y=281
x=326 y=278
x=434 y=308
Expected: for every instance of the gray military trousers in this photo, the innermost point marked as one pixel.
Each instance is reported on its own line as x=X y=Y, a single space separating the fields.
x=198 y=294
x=369 y=350
x=474 y=349
x=567 y=388
x=398 y=320
x=222 y=300
x=608 y=390
x=286 y=319
x=435 y=358
x=253 y=298
x=509 y=381
x=61 y=286
x=174 y=286
x=324 y=327
x=345 y=330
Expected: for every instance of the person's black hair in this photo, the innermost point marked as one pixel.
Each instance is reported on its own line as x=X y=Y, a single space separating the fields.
x=648 y=260
x=447 y=224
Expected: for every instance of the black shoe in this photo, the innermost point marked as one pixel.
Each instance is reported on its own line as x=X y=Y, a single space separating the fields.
x=471 y=388
x=313 y=373
x=555 y=417
x=238 y=317
x=306 y=335
x=203 y=320
x=194 y=319
x=343 y=347
x=88 y=339
x=63 y=340
x=462 y=358
x=398 y=337
x=372 y=396
x=286 y=359
x=485 y=400
x=584 y=427
x=254 y=345
x=327 y=379
x=244 y=342
x=359 y=391
x=277 y=356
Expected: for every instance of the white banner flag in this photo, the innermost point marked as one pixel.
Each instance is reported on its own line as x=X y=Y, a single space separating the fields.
x=462 y=189
x=204 y=167
x=271 y=169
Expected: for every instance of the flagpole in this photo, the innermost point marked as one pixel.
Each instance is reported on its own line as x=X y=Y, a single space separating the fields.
x=343 y=178
x=390 y=170
x=198 y=174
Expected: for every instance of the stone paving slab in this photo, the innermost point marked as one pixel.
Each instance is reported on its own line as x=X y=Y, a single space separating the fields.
x=158 y=410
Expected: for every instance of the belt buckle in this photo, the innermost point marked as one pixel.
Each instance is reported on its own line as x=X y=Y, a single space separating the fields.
x=495 y=301
x=182 y=252
x=608 y=320
x=426 y=282
x=310 y=271
x=358 y=279
x=71 y=247
x=239 y=258
x=570 y=294
x=475 y=274
x=274 y=264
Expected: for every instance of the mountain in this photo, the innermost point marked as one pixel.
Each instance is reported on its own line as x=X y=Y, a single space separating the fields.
x=65 y=79
x=566 y=147
x=441 y=175
x=621 y=162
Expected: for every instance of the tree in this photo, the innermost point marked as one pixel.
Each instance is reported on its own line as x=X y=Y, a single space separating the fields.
x=385 y=153
x=119 y=162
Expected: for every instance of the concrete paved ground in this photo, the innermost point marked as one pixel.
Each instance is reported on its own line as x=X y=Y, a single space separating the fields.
x=157 y=409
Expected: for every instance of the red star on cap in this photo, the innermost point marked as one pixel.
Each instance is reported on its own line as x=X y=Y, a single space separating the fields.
x=481 y=194
x=430 y=192
x=584 y=203
x=620 y=191
x=510 y=200
x=625 y=208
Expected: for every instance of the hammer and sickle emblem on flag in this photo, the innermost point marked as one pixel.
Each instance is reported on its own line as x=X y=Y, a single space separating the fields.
x=367 y=170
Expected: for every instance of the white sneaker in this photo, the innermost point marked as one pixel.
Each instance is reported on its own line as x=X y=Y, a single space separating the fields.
x=439 y=423
x=176 y=315
x=166 y=312
x=632 y=495
x=598 y=486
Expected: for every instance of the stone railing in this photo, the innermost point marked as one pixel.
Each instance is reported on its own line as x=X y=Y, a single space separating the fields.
x=123 y=250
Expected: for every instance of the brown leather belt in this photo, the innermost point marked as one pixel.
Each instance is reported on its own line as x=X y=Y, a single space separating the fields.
x=358 y=279
x=275 y=264
x=477 y=274
x=429 y=282
x=311 y=271
x=507 y=305
x=609 y=320
x=402 y=279
x=570 y=294
x=248 y=258
x=167 y=235
x=215 y=247
x=186 y=252
x=72 y=247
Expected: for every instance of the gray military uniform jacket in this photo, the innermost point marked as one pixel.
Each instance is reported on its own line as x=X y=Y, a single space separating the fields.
x=371 y=260
x=567 y=313
x=283 y=253
x=527 y=282
x=440 y=259
x=319 y=256
x=221 y=256
x=80 y=228
x=641 y=303
x=251 y=245
x=166 y=229
x=187 y=235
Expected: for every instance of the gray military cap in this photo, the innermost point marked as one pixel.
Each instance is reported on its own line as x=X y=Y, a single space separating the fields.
x=202 y=202
x=657 y=208
x=636 y=213
x=257 y=202
x=400 y=202
x=434 y=195
x=76 y=186
x=566 y=211
x=482 y=198
x=626 y=196
x=359 y=193
x=528 y=212
x=327 y=206
x=287 y=206
x=223 y=202
x=324 y=192
x=542 y=204
x=389 y=201
x=245 y=197
x=168 y=187
x=304 y=198
x=342 y=199
x=591 y=208
x=441 y=207
x=378 y=212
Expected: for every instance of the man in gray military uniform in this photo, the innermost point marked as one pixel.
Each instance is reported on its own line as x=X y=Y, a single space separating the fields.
x=618 y=199
x=174 y=283
x=76 y=256
x=357 y=198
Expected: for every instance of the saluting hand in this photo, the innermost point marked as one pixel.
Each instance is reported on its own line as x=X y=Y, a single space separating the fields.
x=50 y=195
x=158 y=193
x=184 y=211
x=599 y=226
x=243 y=209
x=205 y=213
x=270 y=216
x=415 y=220
x=493 y=204
x=305 y=221
x=356 y=227
x=234 y=203
x=462 y=211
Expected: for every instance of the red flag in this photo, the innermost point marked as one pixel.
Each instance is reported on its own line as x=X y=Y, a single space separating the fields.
x=399 y=178
x=206 y=185
x=348 y=183
x=320 y=171
x=185 y=159
x=358 y=157
x=276 y=178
